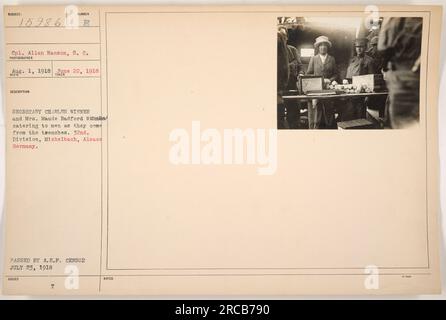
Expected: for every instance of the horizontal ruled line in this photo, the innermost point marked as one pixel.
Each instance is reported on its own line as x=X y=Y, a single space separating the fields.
x=56 y=60
x=94 y=77
x=219 y=275
x=260 y=268
x=27 y=43
x=61 y=27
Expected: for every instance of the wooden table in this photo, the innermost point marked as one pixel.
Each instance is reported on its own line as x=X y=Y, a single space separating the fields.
x=296 y=98
x=333 y=96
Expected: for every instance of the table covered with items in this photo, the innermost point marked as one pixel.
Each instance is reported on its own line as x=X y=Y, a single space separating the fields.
x=370 y=87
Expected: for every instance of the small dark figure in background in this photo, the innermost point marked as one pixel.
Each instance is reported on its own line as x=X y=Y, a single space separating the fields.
x=400 y=44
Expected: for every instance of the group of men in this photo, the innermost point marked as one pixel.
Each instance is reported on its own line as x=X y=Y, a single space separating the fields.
x=395 y=52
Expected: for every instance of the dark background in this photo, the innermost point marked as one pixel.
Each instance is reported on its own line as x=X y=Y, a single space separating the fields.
x=342 y=39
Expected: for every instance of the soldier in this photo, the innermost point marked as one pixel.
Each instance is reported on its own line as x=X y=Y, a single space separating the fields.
x=400 y=44
x=360 y=64
x=296 y=68
x=283 y=74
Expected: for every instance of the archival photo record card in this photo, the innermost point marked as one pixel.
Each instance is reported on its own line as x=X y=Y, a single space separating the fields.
x=237 y=150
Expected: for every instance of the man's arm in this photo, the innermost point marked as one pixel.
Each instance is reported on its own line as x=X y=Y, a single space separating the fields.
x=300 y=65
x=297 y=61
x=386 y=39
x=349 y=75
x=283 y=70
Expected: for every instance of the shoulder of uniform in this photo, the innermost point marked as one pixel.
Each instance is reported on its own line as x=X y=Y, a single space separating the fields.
x=368 y=57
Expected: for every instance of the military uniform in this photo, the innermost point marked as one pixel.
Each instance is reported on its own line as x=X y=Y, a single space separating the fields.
x=360 y=65
x=379 y=103
x=373 y=53
x=400 y=44
x=283 y=74
x=295 y=66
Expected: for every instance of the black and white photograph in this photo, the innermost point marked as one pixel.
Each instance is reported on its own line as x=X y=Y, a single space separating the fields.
x=348 y=72
x=144 y=155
